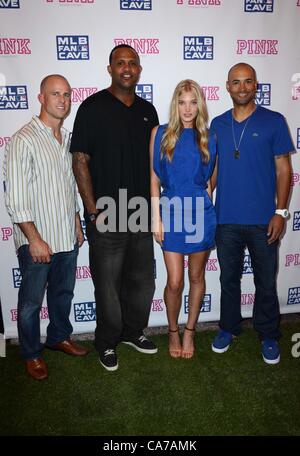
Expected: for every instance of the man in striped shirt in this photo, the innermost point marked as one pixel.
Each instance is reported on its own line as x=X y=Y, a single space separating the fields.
x=40 y=196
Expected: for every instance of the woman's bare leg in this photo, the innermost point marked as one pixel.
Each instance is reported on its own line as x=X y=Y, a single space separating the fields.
x=197 y=263
x=172 y=297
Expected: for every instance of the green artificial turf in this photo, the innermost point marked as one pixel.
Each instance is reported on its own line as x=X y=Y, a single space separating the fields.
x=234 y=393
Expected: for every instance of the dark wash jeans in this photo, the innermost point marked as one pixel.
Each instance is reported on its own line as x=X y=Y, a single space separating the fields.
x=231 y=241
x=60 y=275
x=122 y=269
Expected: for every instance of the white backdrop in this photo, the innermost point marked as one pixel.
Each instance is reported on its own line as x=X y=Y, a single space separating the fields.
x=176 y=39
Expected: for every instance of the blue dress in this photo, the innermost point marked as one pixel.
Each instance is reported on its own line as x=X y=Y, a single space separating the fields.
x=187 y=212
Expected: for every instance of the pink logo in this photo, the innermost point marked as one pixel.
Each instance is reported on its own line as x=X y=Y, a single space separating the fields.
x=200 y=2
x=43 y=314
x=79 y=94
x=14 y=314
x=4 y=140
x=292 y=259
x=295 y=179
x=157 y=305
x=257 y=47
x=11 y=46
x=211 y=264
x=141 y=45
x=6 y=233
x=296 y=92
x=83 y=273
x=247 y=299
x=71 y=1
x=210 y=92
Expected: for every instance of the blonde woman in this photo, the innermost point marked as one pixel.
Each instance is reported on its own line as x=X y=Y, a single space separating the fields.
x=182 y=156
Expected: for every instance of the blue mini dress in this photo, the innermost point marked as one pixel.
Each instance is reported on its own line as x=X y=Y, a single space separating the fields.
x=187 y=212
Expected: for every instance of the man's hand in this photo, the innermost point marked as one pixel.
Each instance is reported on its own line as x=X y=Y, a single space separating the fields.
x=79 y=232
x=40 y=251
x=275 y=228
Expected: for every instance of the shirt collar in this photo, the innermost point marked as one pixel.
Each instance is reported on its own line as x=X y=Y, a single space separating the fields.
x=41 y=126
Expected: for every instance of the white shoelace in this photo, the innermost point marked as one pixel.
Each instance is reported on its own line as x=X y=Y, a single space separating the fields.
x=142 y=338
x=109 y=351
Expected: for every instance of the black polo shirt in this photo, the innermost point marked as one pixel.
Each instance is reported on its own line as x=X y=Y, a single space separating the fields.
x=116 y=137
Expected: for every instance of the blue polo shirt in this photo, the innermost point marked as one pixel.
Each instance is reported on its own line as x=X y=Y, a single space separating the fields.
x=246 y=186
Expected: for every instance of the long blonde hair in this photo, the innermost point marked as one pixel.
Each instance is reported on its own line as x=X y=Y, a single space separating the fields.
x=175 y=126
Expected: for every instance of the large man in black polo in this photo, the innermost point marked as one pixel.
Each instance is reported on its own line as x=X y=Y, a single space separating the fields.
x=110 y=145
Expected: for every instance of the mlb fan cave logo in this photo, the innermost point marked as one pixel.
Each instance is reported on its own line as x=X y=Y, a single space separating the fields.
x=143 y=5
x=85 y=311
x=296 y=221
x=247 y=268
x=294 y=296
x=17 y=277
x=9 y=3
x=263 y=94
x=145 y=91
x=259 y=6
x=198 y=47
x=13 y=97
x=206 y=303
x=72 y=47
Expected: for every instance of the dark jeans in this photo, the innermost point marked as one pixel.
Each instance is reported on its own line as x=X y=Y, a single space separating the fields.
x=231 y=241
x=122 y=266
x=60 y=275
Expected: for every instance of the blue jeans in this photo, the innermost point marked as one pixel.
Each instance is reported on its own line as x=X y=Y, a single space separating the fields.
x=58 y=277
x=231 y=241
x=122 y=268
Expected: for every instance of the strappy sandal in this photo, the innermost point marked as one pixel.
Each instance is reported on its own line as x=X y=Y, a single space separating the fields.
x=188 y=353
x=174 y=352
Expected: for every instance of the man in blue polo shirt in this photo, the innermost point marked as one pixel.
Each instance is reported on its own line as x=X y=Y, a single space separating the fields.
x=253 y=178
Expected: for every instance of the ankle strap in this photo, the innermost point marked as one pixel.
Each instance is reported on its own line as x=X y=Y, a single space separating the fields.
x=173 y=330
x=189 y=329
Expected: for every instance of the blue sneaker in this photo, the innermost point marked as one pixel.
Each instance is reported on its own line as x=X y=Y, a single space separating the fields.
x=270 y=351
x=222 y=341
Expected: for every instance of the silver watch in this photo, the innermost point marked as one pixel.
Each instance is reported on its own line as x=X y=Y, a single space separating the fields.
x=283 y=212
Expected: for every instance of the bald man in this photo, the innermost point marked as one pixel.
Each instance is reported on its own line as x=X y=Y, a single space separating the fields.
x=253 y=177
x=41 y=200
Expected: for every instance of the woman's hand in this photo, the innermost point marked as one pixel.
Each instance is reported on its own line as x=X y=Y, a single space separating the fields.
x=158 y=233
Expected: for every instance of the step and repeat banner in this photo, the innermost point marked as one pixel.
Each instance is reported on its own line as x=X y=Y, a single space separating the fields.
x=176 y=39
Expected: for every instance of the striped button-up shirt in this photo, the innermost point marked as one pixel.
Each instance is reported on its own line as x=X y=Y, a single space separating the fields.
x=40 y=185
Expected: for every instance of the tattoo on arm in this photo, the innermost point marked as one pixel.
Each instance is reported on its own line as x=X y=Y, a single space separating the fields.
x=84 y=180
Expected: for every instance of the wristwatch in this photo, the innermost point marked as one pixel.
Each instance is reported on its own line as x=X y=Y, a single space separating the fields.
x=283 y=212
x=93 y=217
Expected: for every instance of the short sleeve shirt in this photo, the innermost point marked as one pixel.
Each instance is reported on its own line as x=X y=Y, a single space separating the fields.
x=246 y=186
x=116 y=137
